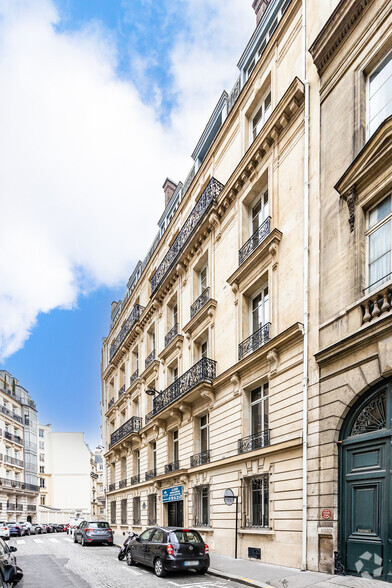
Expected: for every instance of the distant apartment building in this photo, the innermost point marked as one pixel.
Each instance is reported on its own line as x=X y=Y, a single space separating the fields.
x=66 y=469
x=18 y=451
x=98 y=494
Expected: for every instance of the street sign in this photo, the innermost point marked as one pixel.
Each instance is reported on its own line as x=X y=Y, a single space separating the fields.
x=228 y=497
x=173 y=494
x=326 y=514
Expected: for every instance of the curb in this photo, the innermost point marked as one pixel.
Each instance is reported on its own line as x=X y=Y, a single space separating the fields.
x=238 y=579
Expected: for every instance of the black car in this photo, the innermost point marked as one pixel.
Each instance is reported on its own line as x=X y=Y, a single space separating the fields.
x=89 y=532
x=169 y=549
x=10 y=573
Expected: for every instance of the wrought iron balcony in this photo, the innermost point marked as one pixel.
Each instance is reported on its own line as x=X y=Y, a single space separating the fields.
x=135 y=479
x=203 y=371
x=11 y=506
x=171 y=334
x=200 y=458
x=254 y=342
x=11 y=414
x=121 y=391
x=19 y=485
x=14 y=438
x=112 y=487
x=200 y=302
x=255 y=441
x=128 y=325
x=131 y=426
x=208 y=197
x=149 y=359
x=134 y=377
x=256 y=239
x=151 y=474
x=13 y=461
x=122 y=483
x=172 y=467
x=110 y=403
x=19 y=507
x=31 y=508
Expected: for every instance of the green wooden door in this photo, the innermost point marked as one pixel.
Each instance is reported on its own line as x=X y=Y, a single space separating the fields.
x=365 y=498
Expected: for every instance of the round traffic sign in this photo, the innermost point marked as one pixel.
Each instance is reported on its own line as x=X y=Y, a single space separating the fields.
x=228 y=496
x=326 y=514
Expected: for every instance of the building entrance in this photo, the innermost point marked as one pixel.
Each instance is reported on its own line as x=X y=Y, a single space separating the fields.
x=175 y=514
x=365 y=468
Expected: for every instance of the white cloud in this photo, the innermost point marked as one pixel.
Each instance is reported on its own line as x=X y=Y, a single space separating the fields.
x=83 y=159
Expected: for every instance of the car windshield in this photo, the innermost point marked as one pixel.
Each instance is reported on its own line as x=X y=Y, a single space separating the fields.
x=186 y=537
x=99 y=525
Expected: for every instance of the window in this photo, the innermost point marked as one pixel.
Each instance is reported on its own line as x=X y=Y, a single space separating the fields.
x=380 y=94
x=204 y=349
x=174 y=315
x=259 y=211
x=379 y=235
x=41 y=457
x=203 y=279
x=42 y=482
x=123 y=468
x=204 y=433
x=42 y=500
x=124 y=511
x=41 y=469
x=259 y=309
x=202 y=506
x=255 y=501
x=154 y=456
x=261 y=115
x=113 y=512
x=259 y=409
x=175 y=447
x=41 y=445
x=152 y=509
x=136 y=510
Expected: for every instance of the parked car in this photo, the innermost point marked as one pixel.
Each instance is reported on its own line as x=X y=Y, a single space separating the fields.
x=46 y=528
x=89 y=532
x=4 y=530
x=37 y=529
x=57 y=528
x=10 y=573
x=169 y=549
x=73 y=524
x=27 y=528
x=15 y=529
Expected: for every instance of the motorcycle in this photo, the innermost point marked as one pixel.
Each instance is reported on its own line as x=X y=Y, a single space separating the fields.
x=123 y=549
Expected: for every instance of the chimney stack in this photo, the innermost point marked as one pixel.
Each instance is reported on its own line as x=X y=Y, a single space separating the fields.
x=260 y=6
x=169 y=187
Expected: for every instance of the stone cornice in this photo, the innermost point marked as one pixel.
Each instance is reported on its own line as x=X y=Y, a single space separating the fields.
x=335 y=32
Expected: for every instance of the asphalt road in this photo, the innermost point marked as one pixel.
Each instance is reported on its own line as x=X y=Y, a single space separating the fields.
x=54 y=561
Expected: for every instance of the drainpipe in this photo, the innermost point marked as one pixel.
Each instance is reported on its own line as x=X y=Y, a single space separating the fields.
x=306 y=300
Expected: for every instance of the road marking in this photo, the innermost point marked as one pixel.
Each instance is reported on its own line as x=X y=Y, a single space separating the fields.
x=21 y=541
x=37 y=540
x=54 y=540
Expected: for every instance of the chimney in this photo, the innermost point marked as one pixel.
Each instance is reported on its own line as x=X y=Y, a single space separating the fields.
x=169 y=187
x=260 y=6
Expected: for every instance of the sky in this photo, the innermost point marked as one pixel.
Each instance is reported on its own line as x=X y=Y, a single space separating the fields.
x=101 y=100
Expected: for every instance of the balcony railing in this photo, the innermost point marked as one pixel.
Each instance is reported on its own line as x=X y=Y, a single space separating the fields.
x=122 y=483
x=16 y=484
x=134 y=377
x=256 y=239
x=14 y=438
x=13 y=461
x=151 y=474
x=135 y=479
x=149 y=359
x=209 y=196
x=254 y=342
x=112 y=487
x=203 y=371
x=31 y=508
x=110 y=403
x=11 y=506
x=121 y=391
x=129 y=324
x=19 y=507
x=11 y=414
x=171 y=334
x=172 y=467
x=200 y=458
x=255 y=441
x=200 y=302
x=131 y=426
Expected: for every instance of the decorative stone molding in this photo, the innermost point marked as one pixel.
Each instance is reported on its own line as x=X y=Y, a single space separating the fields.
x=186 y=410
x=350 y=199
x=273 y=361
x=236 y=381
x=215 y=223
x=208 y=395
x=176 y=414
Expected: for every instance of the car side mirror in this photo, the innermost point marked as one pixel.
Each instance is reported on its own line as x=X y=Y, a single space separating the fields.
x=12 y=548
x=137 y=538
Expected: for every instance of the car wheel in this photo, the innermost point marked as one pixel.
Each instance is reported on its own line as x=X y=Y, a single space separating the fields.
x=130 y=560
x=202 y=571
x=159 y=569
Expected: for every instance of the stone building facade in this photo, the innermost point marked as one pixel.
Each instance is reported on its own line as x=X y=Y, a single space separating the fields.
x=258 y=322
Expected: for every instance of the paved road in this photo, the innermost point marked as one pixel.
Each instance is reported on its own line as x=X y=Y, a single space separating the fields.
x=54 y=561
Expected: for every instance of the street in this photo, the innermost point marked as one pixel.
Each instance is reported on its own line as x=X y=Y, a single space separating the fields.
x=56 y=562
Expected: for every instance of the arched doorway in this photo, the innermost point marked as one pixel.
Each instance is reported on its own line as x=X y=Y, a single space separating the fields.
x=365 y=537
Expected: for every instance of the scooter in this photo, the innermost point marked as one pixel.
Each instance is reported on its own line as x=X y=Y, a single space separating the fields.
x=123 y=549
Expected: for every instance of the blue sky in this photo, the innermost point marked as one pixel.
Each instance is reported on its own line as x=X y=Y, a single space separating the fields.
x=101 y=101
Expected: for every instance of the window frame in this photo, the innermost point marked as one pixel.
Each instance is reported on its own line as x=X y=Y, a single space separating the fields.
x=200 y=510
x=369 y=230
x=248 y=504
x=263 y=118
x=386 y=57
x=259 y=291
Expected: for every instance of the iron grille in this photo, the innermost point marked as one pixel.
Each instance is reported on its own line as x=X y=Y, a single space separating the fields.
x=172 y=467
x=171 y=334
x=127 y=327
x=136 y=510
x=200 y=458
x=152 y=509
x=110 y=403
x=122 y=483
x=121 y=391
x=134 y=377
x=254 y=342
x=112 y=487
x=150 y=474
x=255 y=240
x=200 y=302
x=255 y=501
x=135 y=479
x=255 y=441
x=131 y=426
x=149 y=359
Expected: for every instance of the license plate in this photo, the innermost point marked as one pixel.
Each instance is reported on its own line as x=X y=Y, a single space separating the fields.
x=191 y=563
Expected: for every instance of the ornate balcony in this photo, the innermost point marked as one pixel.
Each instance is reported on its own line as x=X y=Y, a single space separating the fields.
x=203 y=371
x=11 y=506
x=150 y=474
x=133 y=425
x=134 y=377
x=13 y=461
x=121 y=391
x=256 y=239
x=122 y=483
x=20 y=485
x=200 y=302
x=128 y=325
x=14 y=438
x=208 y=197
x=112 y=487
x=255 y=441
x=31 y=508
x=254 y=342
x=110 y=403
x=135 y=479
x=19 y=507
x=171 y=334
x=172 y=467
x=11 y=414
x=149 y=359
x=200 y=458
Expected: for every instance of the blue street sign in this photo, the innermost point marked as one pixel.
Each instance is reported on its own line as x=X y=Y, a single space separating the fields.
x=173 y=494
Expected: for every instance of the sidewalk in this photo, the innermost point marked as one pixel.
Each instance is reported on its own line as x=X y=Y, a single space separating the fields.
x=252 y=573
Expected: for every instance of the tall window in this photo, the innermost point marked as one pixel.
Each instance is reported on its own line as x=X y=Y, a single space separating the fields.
x=203 y=279
x=379 y=243
x=204 y=433
x=41 y=432
x=204 y=349
x=152 y=509
x=124 y=518
x=259 y=212
x=42 y=482
x=380 y=94
x=255 y=501
x=113 y=512
x=202 y=506
x=42 y=500
x=138 y=462
x=259 y=409
x=174 y=315
x=154 y=456
x=261 y=115
x=176 y=446
x=259 y=309
x=123 y=468
x=136 y=510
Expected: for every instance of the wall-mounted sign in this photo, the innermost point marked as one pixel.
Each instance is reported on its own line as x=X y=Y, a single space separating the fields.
x=326 y=514
x=173 y=494
x=228 y=496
